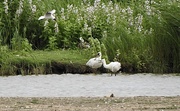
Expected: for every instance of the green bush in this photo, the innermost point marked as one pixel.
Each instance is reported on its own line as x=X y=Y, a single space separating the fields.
x=144 y=34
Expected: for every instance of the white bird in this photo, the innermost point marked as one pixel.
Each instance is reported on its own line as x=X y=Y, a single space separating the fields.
x=48 y=15
x=95 y=62
x=112 y=66
x=83 y=44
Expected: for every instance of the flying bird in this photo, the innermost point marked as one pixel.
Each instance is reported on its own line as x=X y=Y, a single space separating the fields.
x=49 y=15
x=114 y=67
x=95 y=62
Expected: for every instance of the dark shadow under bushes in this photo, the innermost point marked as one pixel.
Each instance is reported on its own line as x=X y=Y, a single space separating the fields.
x=48 y=68
x=61 y=68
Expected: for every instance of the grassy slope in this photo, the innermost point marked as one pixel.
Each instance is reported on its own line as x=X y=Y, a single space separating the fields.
x=66 y=56
x=47 y=56
x=39 y=60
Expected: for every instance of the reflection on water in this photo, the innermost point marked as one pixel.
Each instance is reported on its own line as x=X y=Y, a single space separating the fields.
x=69 y=85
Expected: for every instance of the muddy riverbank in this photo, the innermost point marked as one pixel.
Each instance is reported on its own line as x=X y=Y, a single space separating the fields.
x=50 y=68
x=54 y=67
x=140 y=103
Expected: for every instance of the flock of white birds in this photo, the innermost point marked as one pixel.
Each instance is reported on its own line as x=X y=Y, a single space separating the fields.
x=95 y=62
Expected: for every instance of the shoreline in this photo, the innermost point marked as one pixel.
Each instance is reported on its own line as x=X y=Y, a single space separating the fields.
x=59 y=62
x=53 y=68
x=137 y=103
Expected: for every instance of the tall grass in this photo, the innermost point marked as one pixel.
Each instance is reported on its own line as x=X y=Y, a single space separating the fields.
x=143 y=35
x=166 y=37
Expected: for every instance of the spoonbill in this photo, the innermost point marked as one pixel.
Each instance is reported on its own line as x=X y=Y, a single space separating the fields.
x=112 y=66
x=95 y=62
x=49 y=15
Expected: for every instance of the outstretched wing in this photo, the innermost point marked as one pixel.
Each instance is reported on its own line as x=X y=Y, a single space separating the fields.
x=41 y=17
x=53 y=11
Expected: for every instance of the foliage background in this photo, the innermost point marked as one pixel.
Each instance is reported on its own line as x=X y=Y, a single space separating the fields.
x=143 y=35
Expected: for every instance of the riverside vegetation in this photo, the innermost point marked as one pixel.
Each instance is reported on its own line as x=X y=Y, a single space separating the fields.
x=143 y=35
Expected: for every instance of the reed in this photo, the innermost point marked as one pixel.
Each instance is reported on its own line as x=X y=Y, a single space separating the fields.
x=166 y=40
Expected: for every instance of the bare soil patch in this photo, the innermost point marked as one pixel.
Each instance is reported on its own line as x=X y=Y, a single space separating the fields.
x=141 y=103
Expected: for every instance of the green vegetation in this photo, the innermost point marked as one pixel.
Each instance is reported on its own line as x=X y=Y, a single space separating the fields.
x=39 y=62
x=143 y=35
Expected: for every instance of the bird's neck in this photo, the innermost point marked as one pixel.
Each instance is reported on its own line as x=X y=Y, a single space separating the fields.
x=105 y=65
x=99 y=57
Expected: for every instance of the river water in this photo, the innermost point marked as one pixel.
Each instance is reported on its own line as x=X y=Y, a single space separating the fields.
x=70 y=85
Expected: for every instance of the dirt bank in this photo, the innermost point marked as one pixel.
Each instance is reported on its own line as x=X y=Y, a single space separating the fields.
x=91 y=104
x=50 y=68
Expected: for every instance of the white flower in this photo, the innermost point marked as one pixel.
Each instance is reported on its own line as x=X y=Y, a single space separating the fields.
x=138 y=22
x=151 y=30
x=114 y=21
x=96 y=3
x=6 y=6
x=139 y=28
x=108 y=19
x=110 y=4
x=62 y=10
x=20 y=9
x=129 y=11
x=69 y=7
x=56 y=27
x=30 y=2
x=128 y=30
x=89 y=31
x=147 y=7
x=85 y=26
x=139 y=19
x=90 y=9
x=33 y=8
x=117 y=7
x=104 y=34
x=130 y=20
x=62 y=14
x=103 y=6
x=75 y=10
x=123 y=10
x=45 y=23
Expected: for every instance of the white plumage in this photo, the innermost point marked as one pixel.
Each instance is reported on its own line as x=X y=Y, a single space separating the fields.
x=95 y=62
x=112 y=66
x=48 y=15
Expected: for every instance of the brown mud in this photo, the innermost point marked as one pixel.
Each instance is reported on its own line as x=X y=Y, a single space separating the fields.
x=141 y=103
